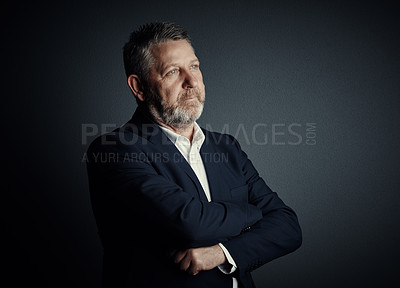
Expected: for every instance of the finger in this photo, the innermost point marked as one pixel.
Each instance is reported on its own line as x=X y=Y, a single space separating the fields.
x=172 y=252
x=193 y=269
x=185 y=262
x=194 y=265
x=179 y=255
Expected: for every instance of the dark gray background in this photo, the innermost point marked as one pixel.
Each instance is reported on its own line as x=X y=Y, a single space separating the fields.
x=266 y=64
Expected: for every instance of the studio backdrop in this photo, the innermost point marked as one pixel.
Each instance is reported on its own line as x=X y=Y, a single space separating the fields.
x=310 y=89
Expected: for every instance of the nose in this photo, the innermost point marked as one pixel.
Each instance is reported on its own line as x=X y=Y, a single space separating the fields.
x=190 y=80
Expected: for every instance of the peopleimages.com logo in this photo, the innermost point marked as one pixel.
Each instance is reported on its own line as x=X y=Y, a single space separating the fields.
x=278 y=134
x=272 y=134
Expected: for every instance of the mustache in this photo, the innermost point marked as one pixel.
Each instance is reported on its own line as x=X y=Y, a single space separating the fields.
x=190 y=93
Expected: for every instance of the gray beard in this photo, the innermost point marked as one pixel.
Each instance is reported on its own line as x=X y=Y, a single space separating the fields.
x=179 y=115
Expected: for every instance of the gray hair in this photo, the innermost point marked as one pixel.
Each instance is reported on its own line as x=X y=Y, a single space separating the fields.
x=137 y=51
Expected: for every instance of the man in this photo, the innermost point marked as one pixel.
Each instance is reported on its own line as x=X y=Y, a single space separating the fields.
x=177 y=205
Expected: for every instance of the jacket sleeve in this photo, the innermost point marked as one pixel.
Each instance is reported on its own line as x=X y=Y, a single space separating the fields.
x=276 y=234
x=133 y=184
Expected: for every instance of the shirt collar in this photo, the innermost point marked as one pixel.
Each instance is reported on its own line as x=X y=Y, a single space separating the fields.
x=198 y=136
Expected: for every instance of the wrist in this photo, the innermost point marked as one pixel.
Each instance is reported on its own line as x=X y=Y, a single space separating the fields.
x=221 y=258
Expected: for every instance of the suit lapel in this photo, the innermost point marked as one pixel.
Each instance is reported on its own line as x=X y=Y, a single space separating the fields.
x=180 y=162
x=212 y=163
x=151 y=132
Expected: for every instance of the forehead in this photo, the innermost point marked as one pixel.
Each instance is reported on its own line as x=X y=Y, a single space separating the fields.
x=173 y=52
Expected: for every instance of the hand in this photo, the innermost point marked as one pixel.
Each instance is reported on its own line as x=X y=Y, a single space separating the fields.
x=194 y=260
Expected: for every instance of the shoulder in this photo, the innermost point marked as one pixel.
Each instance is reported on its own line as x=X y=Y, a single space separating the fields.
x=123 y=139
x=227 y=146
x=225 y=141
x=219 y=138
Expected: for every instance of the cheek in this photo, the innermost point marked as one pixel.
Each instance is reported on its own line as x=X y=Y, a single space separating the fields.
x=202 y=86
x=201 y=82
x=170 y=94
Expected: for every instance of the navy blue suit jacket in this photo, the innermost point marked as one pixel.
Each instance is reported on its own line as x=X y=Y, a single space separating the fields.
x=147 y=201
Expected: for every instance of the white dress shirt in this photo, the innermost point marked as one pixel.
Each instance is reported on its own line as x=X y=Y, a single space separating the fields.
x=191 y=152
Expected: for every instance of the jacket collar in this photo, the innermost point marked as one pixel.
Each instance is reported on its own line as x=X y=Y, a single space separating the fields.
x=146 y=128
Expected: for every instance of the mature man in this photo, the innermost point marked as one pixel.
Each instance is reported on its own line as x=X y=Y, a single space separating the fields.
x=177 y=205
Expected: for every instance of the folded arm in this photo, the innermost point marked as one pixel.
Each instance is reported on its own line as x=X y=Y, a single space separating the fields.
x=276 y=234
x=135 y=183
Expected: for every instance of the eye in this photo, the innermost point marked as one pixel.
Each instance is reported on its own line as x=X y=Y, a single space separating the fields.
x=195 y=66
x=172 y=72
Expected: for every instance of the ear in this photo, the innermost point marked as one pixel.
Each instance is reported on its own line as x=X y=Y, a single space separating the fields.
x=136 y=86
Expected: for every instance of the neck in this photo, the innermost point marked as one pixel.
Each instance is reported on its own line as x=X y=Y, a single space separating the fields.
x=186 y=131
